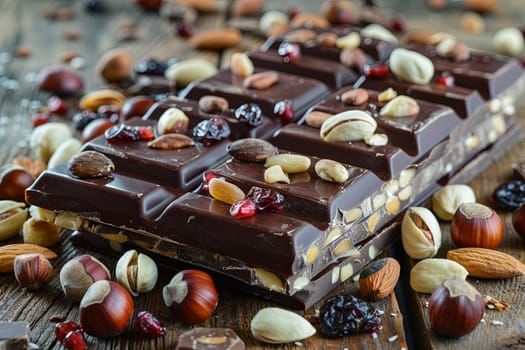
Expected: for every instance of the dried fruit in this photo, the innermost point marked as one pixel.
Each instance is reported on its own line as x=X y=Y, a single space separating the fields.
x=278 y=326
x=487 y=263
x=151 y=67
x=379 y=279
x=243 y=209
x=249 y=113
x=63 y=328
x=211 y=130
x=290 y=53
x=510 y=196
x=75 y=340
x=88 y=164
x=266 y=199
x=284 y=110
x=251 y=150
x=57 y=106
x=342 y=315
x=148 y=325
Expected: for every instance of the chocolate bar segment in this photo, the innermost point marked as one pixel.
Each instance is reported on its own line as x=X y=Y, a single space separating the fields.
x=209 y=339
x=14 y=335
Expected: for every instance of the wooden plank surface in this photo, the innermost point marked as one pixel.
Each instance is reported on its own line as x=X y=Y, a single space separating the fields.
x=22 y=24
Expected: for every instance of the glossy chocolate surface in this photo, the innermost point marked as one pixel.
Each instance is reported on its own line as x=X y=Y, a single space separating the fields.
x=301 y=92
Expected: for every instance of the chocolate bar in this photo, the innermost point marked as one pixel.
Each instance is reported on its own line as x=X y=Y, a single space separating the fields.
x=209 y=339
x=14 y=335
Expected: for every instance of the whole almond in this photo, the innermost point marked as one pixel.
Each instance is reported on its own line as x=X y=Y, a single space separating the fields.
x=487 y=263
x=213 y=104
x=355 y=97
x=171 y=141
x=242 y=8
x=102 y=97
x=353 y=58
x=261 y=81
x=379 y=278
x=316 y=118
x=9 y=252
x=251 y=150
x=216 y=39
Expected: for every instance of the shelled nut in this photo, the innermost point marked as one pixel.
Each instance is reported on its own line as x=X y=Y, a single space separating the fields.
x=447 y=200
x=279 y=326
x=420 y=233
x=351 y=125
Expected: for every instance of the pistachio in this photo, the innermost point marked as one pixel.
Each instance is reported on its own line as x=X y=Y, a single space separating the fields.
x=509 y=41
x=352 y=125
x=331 y=170
x=275 y=174
x=240 y=64
x=447 y=200
x=183 y=73
x=355 y=97
x=272 y=18
x=261 y=81
x=379 y=32
x=278 y=326
x=420 y=233
x=386 y=95
x=137 y=272
x=93 y=100
x=376 y=139
x=88 y=164
x=64 y=152
x=251 y=150
x=411 y=66
x=399 y=107
x=12 y=217
x=46 y=138
x=290 y=163
x=172 y=120
x=225 y=191
x=349 y=41
x=315 y=118
x=428 y=274
x=171 y=141
x=42 y=233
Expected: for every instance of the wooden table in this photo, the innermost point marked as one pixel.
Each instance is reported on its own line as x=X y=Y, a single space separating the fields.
x=22 y=25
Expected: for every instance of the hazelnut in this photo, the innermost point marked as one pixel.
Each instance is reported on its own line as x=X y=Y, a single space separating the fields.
x=59 y=81
x=95 y=128
x=476 y=225
x=136 y=106
x=32 y=270
x=115 y=66
x=13 y=182
x=337 y=11
x=518 y=221
x=79 y=273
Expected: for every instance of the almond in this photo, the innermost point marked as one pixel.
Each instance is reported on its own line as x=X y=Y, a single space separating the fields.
x=216 y=39
x=487 y=263
x=9 y=252
x=379 y=278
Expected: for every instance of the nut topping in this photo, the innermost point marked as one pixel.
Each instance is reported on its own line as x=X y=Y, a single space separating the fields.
x=315 y=118
x=353 y=58
x=251 y=150
x=331 y=171
x=411 y=66
x=326 y=39
x=347 y=126
x=171 y=141
x=355 y=97
x=400 y=106
x=300 y=36
x=213 y=104
x=275 y=174
x=290 y=163
x=350 y=41
x=89 y=164
x=240 y=64
x=172 y=120
x=261 y=81
x=376 y=139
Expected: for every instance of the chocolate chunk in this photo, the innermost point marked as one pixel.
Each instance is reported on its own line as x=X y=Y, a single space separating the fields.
x=14 y=335
x=210 y=338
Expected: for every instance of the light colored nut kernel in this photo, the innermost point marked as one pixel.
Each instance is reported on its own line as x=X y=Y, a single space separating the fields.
x=420 y=233
x=335 y=274
x=471 y=142
x=399 y=107
x=454 y=50
x=342 y=247
x=261 y=81
x=171 y=141
x=498 y=124
x=411 y=66
x=405 y=193
x=391 y=187
x=12 y=217
x=315 y=119
x=331 y=170
x=300 y=36
x=326 y=39
x=386 y=95
x=393 y=205
x=275 y=174
x=279 y=326
x=290 y=163
x=349 y=41
x=508 y=41
x=406 y=176
x=332 y=236
x=64 y=152
x=372 y=252
x=353 y=58
x=40 y=232
x=271 y=18
x=372 y=222
x=42 y=213
x=46 y=138
x=241 y=64
x=428 y=274
x=225 y=191
x=376 y=139
x=102 y=97
x=353 y=214
x=472 y=22
x=300 y=283
x=215 y=39
x=269 y=280
x=355 y=97
x=347 y=271
x=213 y=104
x=352 y=125
x=69 y=220
x=495 y=105
x=312 y=254
x=173 y=120
x=447 y=200
x=378 y=201
x=190 y=70
x=379 y=32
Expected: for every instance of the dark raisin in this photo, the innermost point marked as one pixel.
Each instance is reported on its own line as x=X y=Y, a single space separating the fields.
x=80 y=120
x=266 y=199
x=151 y=67
x=95 y=6
x=211 y=130
x=249 y=113
x=344 y=314
x=127 y=133
x=184 y=29
x=510 y=196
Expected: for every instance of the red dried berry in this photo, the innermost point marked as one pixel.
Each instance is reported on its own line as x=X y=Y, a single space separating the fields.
x=445 y=79
x=211 y=130
x=290 y=53
x=398 y=25
x=249 y=113
x=148 y=325
x=127 y=133
x=39 y=119
x=293 y=11
x=206 y=178
x=57 y=106
x=284 y=110
x=266 y=199
x=243 y=209
x=378 y=71
x=184 y=29
x=63 y=328
x=75 y=340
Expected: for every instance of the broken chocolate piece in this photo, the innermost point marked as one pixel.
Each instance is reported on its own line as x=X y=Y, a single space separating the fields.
x=14 y=335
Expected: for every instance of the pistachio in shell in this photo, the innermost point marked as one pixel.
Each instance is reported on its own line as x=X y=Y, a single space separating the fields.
x=89 y=164
x=251 y=150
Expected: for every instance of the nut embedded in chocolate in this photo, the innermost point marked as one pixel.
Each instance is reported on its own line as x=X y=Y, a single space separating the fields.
x=90 y=164
x=171 y=141
x=213 y=104
x=251 y=150
x=261 y=81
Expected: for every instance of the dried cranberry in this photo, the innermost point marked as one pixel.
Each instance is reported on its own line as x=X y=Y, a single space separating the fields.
x=398 y=25
x=111 y=112
x=290 y=53
x=211 y=130
x=266 y=199
x=63 y=328
x=243 y=209
x=184 y=29
x=206 y=177
x=445 y=79
x=39 y=119
x=75 y=340
x=284 y=110
x=151 y=67
x=80 y=120
x=342 y=314
x=378 y=71
x=148 y=325
x=249 y=113
x=127 y=133
x=57 y=106
x=510 y=196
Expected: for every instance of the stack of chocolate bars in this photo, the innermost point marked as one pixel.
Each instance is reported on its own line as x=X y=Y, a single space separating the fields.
x=327 y=231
